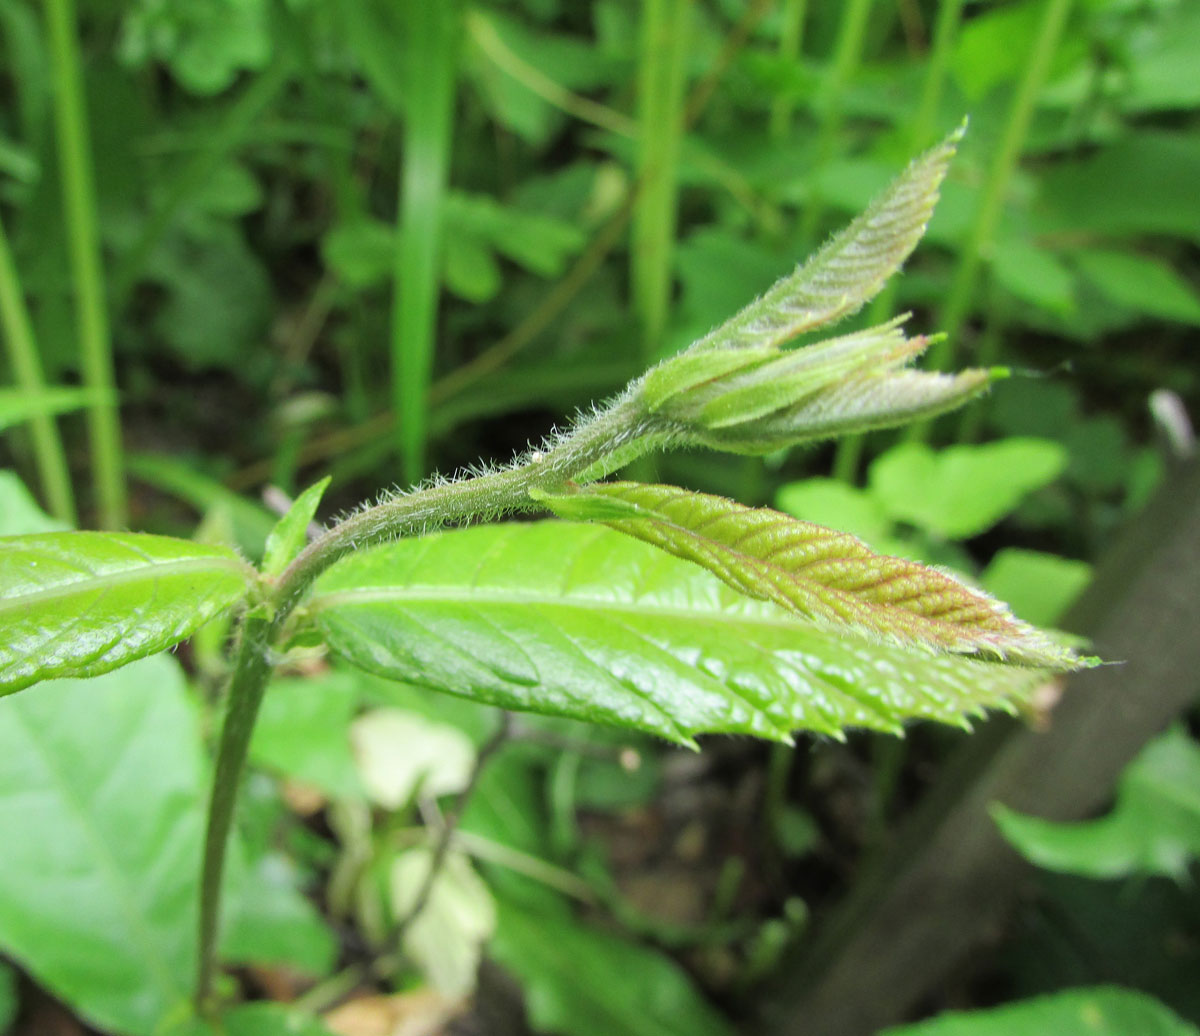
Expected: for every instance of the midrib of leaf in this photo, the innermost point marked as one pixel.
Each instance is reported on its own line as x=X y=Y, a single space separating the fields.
x=111 y=580
x=102 y=854
x=391 y=594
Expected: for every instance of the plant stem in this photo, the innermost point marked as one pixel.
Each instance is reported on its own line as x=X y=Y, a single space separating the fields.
x=428 y=126
x=848 y=455
x=83 y=242
x=586 y=448
x=246 y=688
x=446 y=836
x=662 y=78
x=846 y=59
x=995 y=191
x=791 y=39
x=27 y=370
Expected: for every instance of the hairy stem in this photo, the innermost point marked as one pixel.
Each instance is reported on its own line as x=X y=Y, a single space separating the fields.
x=589 y=450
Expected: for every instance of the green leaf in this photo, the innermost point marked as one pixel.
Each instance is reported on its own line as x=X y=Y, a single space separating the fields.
x=98 y=885
x=1038 y=587
x=586 y=623
x=270 y=922
x=19 y=512
x=290 y=534
x=1153 y=829
x=1141 y=283
x=1033 y=275
x=830 y=501
x=850 y=269
x=269 y=1019
x=583 y=982
x=204 y=42
x=964 y=490
x=82 y=603
x=303 y=732
x=828 y=577
x=1102 y=1011
x=360 y=252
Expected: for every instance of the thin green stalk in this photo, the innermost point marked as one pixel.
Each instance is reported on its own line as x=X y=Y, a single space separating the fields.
x=662 y=79
x=246 y=689
x=428 y=127
x=27 y=370
x=791 y=40
x=945 y=33
x=83 y=243
x=962 y=289
x=578 y=455
x=848 y=456
x=847 y=56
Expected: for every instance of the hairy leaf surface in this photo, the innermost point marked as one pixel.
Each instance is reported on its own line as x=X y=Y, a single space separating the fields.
x=580 y=621
x=851 y=268
x=82 y=603
x=830 y=577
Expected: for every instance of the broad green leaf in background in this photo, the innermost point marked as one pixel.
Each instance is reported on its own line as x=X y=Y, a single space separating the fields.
x=1034 y=275
x=1154 y=828
x=1103 y=1011
x=1140 y=283
x=269 y=922
x=290 y=534
x=962 y=491
x=269 y=1019
x=19 y=512
x=582 y=982
x=832 y=502
x=303 y=732
x=1038 y=587
x=446 y=939
x=828 y=577
x=1104 y=191
x=586 y=623
x=205 y=43
x=99 y=878
x=82 y=603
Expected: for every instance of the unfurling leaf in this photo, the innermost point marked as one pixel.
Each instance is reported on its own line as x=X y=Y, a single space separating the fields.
x=578 y=621
x=831 y=578
x=850 y=269
x=759 y=400
x=82 y=603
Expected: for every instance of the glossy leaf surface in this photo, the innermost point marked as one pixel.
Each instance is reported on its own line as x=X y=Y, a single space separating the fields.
x=829 y=577
x=583 y=622
x=83 y=603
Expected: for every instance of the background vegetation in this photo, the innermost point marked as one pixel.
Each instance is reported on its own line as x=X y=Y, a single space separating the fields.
x=248 y=243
